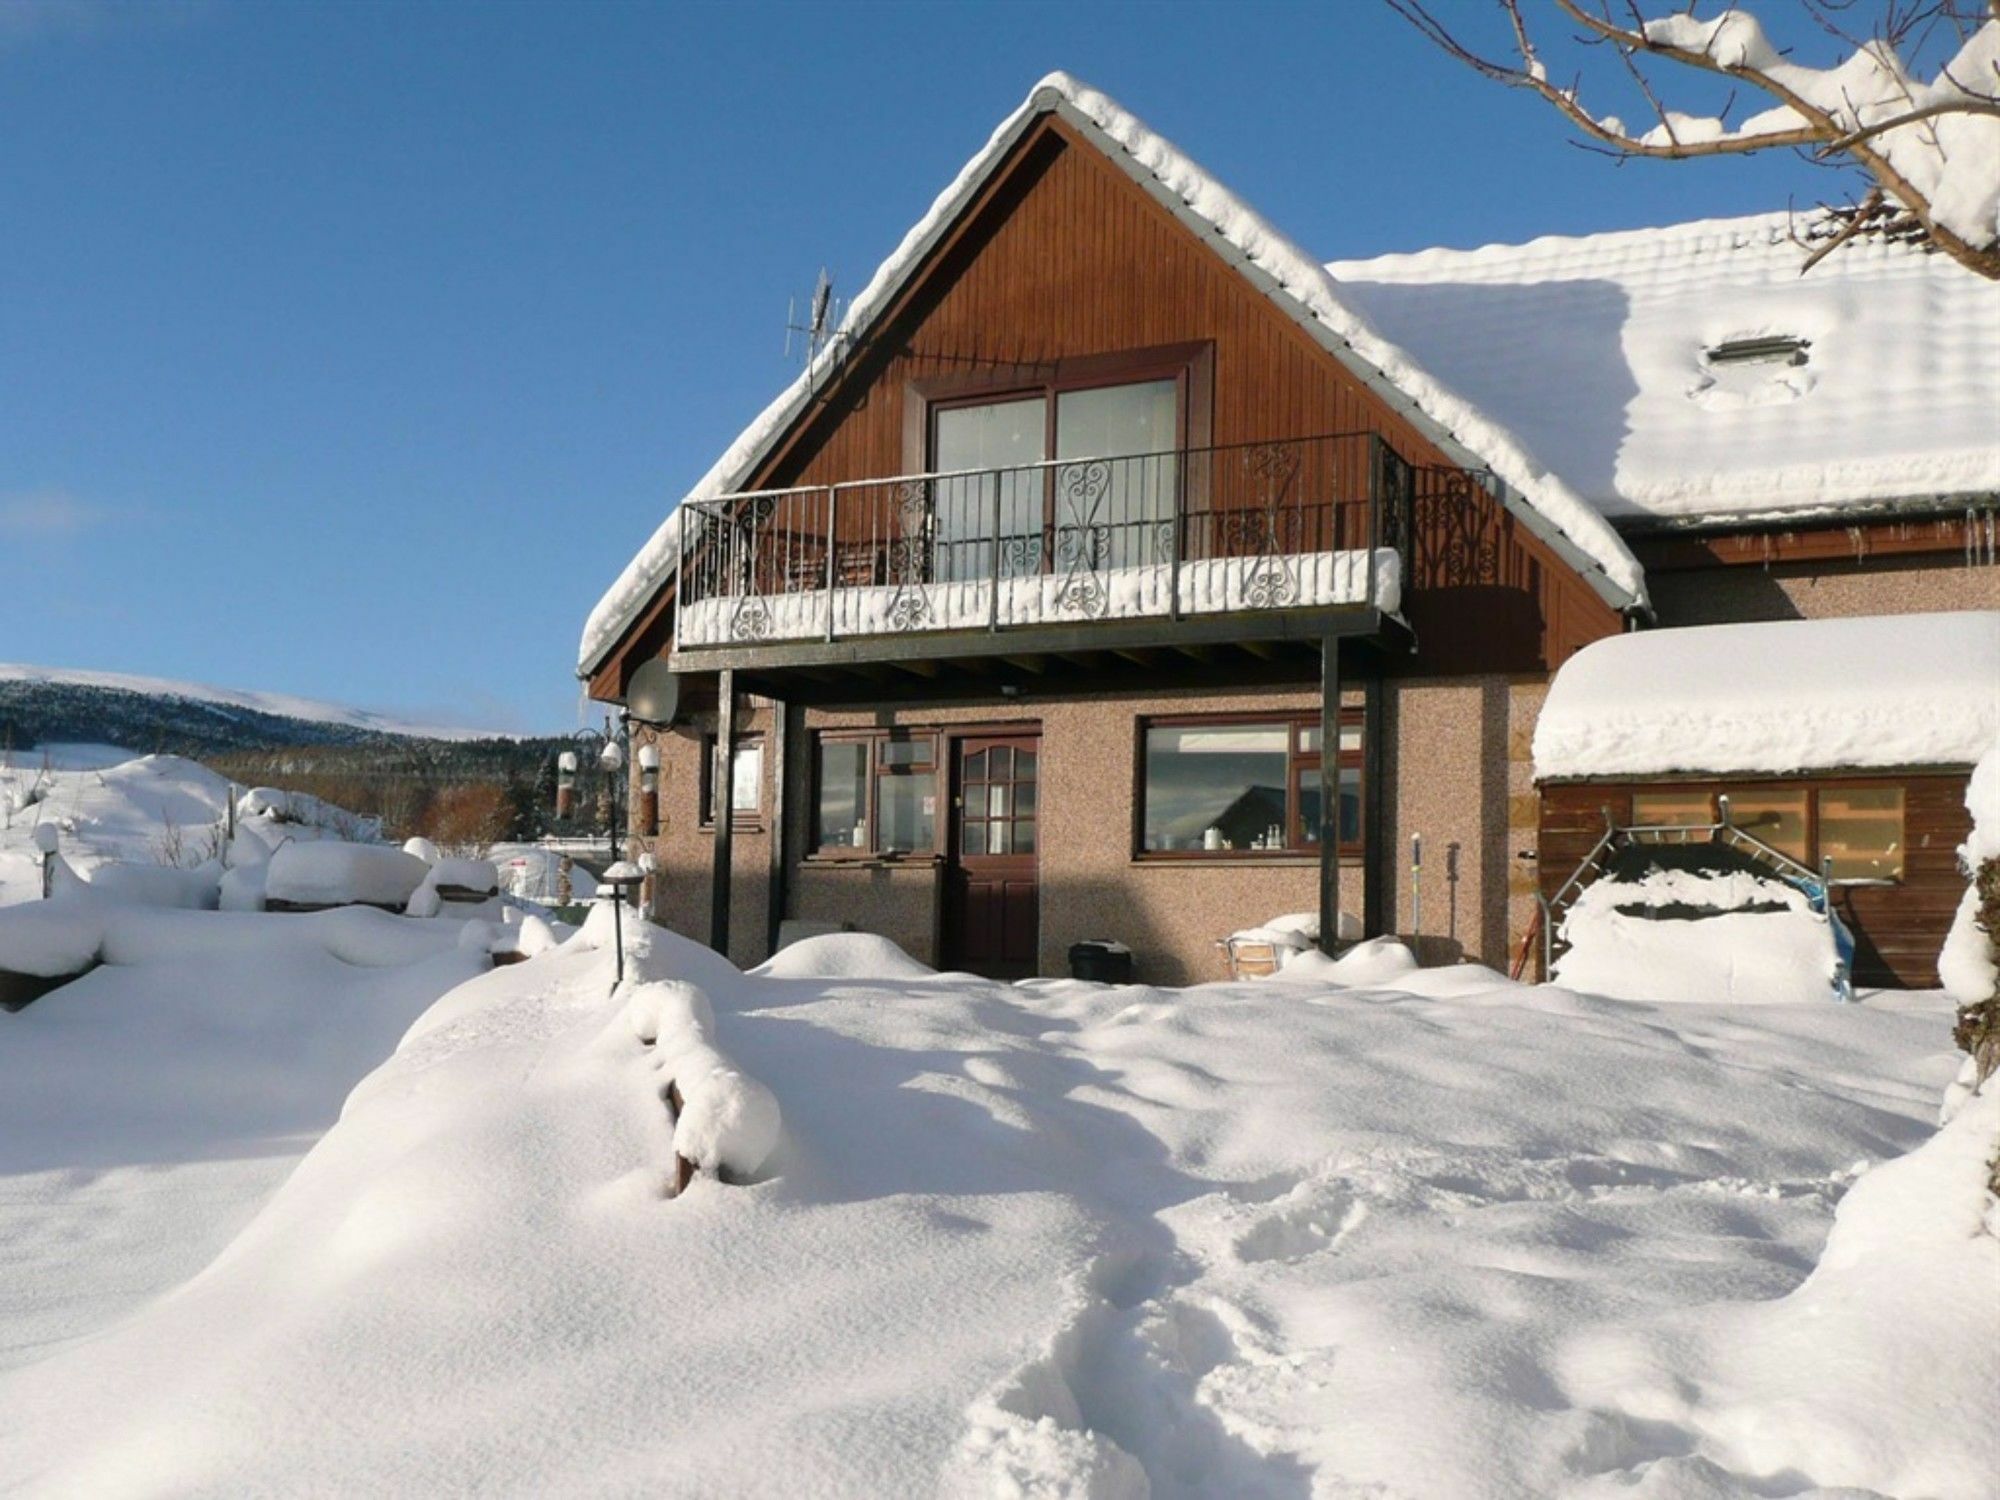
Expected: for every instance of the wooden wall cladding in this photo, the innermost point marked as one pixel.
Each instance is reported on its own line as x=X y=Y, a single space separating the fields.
x=1898 y=928
x=1064 y=259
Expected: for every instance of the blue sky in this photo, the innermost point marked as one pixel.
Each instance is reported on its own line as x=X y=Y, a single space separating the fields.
x=349 y=350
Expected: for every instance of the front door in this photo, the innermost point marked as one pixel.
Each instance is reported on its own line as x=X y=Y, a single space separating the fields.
x=992 y=912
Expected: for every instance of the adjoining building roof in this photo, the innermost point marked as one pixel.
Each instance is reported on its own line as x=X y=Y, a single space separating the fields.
x=1297 y=284
x=1777 y=697
x=1876 y=386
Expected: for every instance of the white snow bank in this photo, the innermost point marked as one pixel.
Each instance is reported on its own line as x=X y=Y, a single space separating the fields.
x=1302 y=279
x=842 y=955
x=150 y=1108
x=1899 y=1318
x=334 y=874
x=1016 y=1236
x=158 y=885
x=671 y=1006
x=49 y=939
x=295 y=810
x=1738 y=958
x=728 y=1124
x=1965 y=965
x=1779 y=696
x=1379 y=961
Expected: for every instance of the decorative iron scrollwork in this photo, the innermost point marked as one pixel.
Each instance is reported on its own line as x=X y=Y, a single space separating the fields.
x=909 y=558
x=1081 y=538
x=1271 y=581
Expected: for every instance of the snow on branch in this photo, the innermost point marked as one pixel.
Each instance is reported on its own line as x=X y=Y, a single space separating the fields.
x=1931 y=149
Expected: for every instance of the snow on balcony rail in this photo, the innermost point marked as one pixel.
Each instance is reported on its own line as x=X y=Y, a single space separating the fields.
x=1298 y=523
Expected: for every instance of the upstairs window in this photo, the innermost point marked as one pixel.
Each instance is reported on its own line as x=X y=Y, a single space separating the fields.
x=991 y=441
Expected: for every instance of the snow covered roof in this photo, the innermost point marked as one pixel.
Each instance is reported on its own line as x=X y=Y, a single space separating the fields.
x=1595 y=352
x=1297 y=283
x=1777 y=696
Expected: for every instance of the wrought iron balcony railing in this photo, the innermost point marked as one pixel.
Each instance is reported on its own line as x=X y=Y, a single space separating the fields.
x=1295 y=523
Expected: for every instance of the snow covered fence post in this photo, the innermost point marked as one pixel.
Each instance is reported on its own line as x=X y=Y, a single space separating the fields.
x=46 y=841
x=726 y=1123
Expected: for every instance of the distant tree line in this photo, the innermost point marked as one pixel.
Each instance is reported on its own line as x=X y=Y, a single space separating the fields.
x=453 y=792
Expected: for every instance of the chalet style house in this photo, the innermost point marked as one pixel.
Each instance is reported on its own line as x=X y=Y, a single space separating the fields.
x=1119 y=571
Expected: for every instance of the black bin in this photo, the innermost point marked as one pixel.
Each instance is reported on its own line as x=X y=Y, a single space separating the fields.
x=1106 y=962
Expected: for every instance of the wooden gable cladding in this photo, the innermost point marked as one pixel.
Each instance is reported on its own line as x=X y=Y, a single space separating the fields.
x=1063 y=260
x=1066 y=259
x=1485 y=595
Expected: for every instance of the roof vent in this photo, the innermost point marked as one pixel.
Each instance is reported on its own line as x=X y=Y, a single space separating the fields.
x=1768 y=349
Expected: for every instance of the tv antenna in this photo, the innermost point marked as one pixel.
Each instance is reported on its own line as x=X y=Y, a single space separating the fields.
x=822 y=317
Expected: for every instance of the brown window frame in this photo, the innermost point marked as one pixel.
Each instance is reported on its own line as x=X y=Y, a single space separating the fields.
x=1189 y=366
x=1297 y=761
x=741 y=820
x=874 y=739
x=1814 y=789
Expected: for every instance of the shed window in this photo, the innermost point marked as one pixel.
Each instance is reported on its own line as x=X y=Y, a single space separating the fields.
x=1861 y=832
x=1672 y=809
x=1777 y=816
x=1855 y=831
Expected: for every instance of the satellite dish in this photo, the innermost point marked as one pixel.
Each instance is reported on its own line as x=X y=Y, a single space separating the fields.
x=654 y=694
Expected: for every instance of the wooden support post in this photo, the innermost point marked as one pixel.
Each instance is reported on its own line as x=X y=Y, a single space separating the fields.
x=781 y=741
x=1329 y=795
x=1375 y=791
x=724 y=781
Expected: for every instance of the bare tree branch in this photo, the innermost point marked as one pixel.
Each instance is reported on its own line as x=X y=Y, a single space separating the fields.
x=1827 y=136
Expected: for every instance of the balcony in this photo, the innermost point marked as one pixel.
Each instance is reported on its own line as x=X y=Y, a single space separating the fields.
x=1298 y=524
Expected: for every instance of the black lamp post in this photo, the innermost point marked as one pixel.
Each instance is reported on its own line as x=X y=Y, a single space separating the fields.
x=600 y=754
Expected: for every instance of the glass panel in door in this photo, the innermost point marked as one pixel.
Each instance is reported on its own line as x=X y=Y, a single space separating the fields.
x=995 y=440
x=1117 y=516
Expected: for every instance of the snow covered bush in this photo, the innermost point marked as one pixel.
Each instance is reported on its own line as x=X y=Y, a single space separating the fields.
x=1969 y=966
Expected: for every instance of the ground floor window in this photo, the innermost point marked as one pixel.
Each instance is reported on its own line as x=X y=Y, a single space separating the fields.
x=875 y=792
x=1856 y=831
x=746 y=790
x=1223 y=786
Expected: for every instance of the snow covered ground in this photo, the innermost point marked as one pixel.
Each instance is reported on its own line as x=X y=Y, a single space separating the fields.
x=148 y=1109
x=109 y=805
x=1455 y=1237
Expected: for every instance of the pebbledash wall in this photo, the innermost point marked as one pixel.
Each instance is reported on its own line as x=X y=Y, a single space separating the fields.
x=1818 y=591
x=1455 y=756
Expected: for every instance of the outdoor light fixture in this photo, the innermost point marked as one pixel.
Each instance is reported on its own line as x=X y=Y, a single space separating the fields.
x=649 y=789
x=593 y=753
x=565 y=782
x=617 y=884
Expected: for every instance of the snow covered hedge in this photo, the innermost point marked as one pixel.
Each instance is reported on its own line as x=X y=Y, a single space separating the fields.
x=726 y=1123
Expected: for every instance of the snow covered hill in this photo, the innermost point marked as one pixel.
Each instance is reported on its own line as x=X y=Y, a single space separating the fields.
x=40 y=704
x=1454 y=1237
